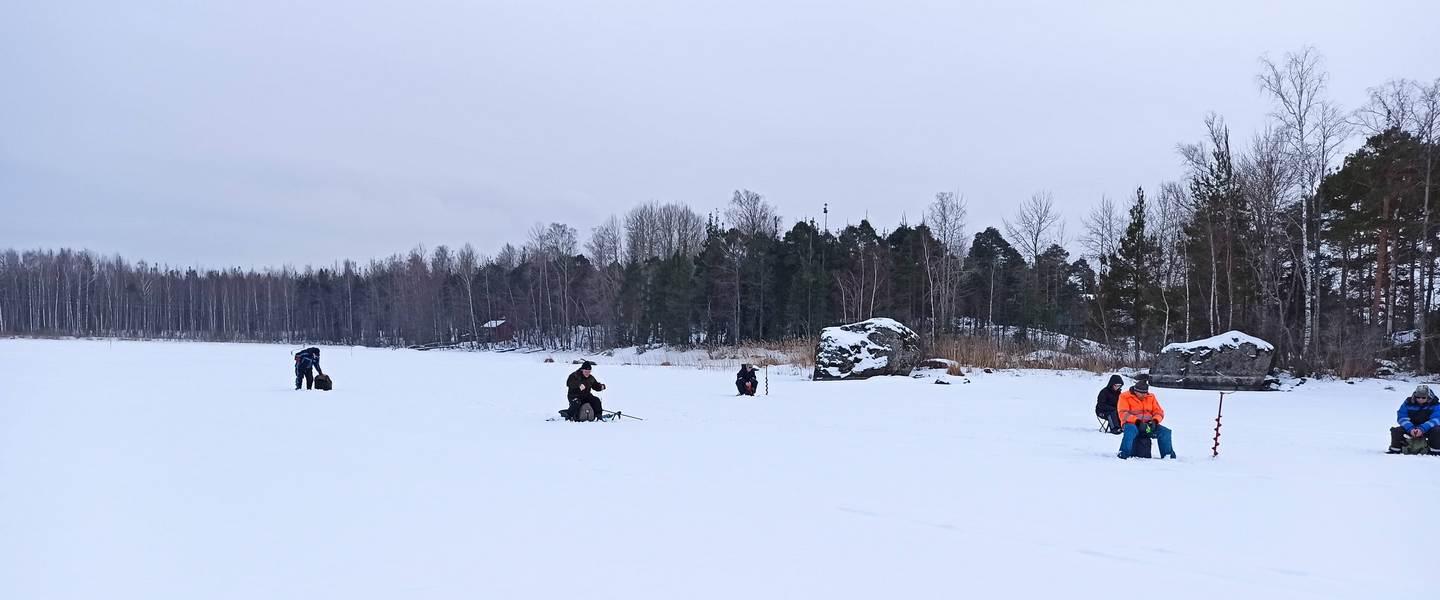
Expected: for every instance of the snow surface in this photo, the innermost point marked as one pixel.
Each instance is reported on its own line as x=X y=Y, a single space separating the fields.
x=157 y=471
x=1231 y=339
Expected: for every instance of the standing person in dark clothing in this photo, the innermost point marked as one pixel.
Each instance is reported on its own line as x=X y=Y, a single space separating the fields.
x=580 y=390
x=745 y=380
x=307 y=361
x=1418 y=417
x=1105 y=403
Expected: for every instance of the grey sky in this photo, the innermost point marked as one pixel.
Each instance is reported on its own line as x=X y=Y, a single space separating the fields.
x=267 y=132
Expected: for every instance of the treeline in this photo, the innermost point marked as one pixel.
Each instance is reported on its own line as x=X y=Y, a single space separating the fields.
x=1330 y=257
x=661 y=275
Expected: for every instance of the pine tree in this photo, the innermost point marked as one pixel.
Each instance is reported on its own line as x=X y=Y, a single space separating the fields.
x=1219 y=236
x=1373 y=212
x=802 y=285
x=1130 y=285
x=994 y=280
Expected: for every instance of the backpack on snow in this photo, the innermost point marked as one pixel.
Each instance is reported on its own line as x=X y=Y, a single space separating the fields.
x=1140 y=449
x=1418 y=445
x=584 y=413
x=322 y=382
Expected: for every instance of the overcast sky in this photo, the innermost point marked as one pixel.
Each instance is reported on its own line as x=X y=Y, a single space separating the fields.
x=267 y=132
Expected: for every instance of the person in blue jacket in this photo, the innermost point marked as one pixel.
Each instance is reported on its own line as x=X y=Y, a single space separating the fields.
x=1418 y=417
x=307 y=361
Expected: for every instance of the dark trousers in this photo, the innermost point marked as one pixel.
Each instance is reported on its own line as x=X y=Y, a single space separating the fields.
x=590 y=399
x=1112 y=419
x=307 y=375
x=745 y=387
x=1398 y=439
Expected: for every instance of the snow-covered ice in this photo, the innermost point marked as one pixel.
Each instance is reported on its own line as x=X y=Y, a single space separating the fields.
x=134 y=470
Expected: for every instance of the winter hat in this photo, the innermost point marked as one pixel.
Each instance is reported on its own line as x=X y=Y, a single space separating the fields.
x=1421 y=391
x=1142 y=383
x=586 y=366
x=1114 y=379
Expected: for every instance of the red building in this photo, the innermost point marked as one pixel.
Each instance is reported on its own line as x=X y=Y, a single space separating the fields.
x=499 y=330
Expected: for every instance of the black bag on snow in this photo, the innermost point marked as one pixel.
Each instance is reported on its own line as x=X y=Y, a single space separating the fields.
x=322 y=382
x=1140 y=449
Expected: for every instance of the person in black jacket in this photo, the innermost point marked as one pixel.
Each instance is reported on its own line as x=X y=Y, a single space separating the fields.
x=580 y=389
x=1105 y=403
x=745 y=380
x=305 y=361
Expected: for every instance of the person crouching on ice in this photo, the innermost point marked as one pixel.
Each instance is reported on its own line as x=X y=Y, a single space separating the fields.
x=1417 y=418
x=745 y=380
x=581 y=387
x=1141 y=413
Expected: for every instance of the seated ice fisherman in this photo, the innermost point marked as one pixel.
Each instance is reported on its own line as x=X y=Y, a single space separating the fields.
x=1417 y=420
x=1141 y=414
x=1105 y=405
x=580 y=388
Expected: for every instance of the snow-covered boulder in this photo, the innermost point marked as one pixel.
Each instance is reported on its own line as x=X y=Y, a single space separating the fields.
x=1229 y=361
x=866 y=349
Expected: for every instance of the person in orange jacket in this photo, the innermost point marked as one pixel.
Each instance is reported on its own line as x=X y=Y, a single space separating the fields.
x=1141 y=413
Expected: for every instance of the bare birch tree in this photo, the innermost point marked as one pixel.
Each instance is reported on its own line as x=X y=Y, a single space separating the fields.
x=1313 y=129
x=467 y=262
x=946 y=219
x=1036 y=225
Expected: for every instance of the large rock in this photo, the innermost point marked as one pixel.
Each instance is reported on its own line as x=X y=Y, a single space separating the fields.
x=866 y=349
x=1229 y=361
